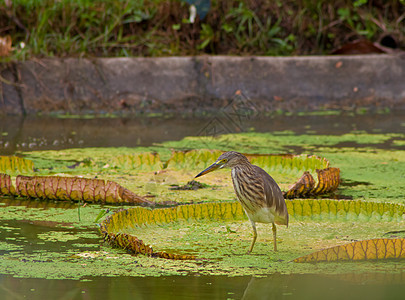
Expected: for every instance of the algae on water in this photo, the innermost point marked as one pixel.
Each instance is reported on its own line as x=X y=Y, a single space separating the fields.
x=47 y=240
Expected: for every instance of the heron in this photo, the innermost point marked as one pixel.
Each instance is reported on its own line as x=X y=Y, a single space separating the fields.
x=258 y=193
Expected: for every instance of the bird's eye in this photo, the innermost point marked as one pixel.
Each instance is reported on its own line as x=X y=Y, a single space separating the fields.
x=223 y=161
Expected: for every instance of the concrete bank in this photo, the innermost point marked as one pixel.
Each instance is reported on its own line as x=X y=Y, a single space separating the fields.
x=206 y=83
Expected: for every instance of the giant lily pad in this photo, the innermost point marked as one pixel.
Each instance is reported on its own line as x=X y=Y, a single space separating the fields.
x=14 y=164
x=328 y=181
x=6 y=185
x=176 y=228
x=148 y=165
x=193 y=159
x=140 y=161
x=69 y=188
x=283 y=163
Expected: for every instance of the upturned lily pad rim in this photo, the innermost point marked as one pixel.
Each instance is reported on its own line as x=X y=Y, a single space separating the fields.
x=371 y=249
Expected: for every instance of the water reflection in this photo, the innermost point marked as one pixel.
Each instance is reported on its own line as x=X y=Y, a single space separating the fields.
x=276 y=286
x=347 y=286
x=43 y=133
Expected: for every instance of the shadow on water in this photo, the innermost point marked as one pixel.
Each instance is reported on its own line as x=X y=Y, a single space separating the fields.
x=37 y=203
x=349 y=286
x=44 y=133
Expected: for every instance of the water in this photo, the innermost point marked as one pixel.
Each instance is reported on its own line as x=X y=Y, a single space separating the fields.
x=43 y=133
x=350 y=286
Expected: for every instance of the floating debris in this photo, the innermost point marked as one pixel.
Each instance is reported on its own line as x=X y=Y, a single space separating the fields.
x=191 y=185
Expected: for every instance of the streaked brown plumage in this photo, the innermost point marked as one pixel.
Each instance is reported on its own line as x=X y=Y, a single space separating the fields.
x=259 y=194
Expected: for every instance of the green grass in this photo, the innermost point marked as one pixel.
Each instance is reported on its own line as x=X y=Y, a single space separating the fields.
x=162 y=28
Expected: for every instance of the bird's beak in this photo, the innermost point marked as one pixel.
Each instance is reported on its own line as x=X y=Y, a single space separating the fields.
x=211 y=168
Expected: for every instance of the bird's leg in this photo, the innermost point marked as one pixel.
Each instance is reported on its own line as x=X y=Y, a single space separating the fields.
x=274 y=237
x=254 y=236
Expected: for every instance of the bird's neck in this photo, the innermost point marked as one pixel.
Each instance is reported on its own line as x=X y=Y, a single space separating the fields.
x=242 y=167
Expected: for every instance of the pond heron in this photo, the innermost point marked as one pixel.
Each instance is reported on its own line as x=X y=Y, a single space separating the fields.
x=259 y=194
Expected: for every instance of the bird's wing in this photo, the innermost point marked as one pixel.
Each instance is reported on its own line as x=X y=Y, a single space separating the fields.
x=274 y=196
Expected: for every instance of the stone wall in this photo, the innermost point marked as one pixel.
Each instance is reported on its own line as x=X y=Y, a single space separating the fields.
x=205 y=83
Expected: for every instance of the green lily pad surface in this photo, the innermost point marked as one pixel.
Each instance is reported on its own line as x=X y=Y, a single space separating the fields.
x=216 y=222
x=61 y=240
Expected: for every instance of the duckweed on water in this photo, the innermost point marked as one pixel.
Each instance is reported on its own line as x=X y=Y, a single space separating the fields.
x=223 y=251
x=372 y=159
x=57 y=236
x=372 y=169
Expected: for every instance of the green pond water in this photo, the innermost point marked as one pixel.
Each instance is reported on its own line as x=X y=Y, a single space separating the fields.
x=55 y=249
